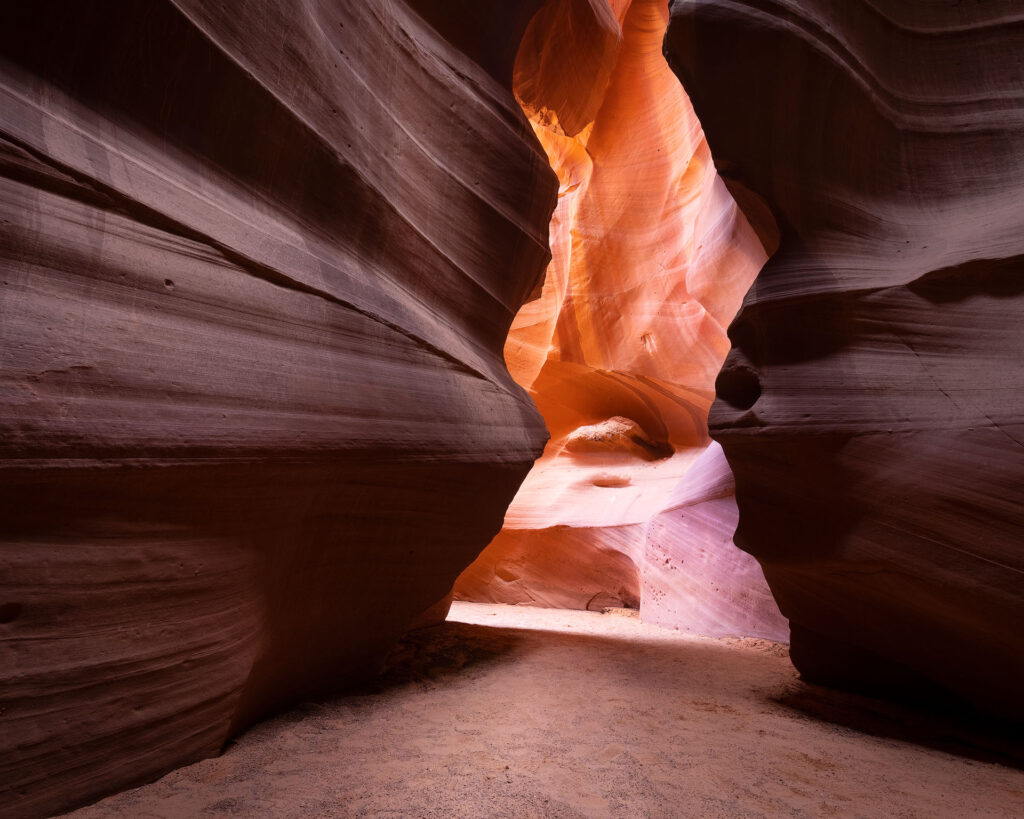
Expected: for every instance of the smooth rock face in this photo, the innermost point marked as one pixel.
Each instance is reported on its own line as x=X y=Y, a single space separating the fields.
x=258 y=264
x=650 y=260
x=871 y=407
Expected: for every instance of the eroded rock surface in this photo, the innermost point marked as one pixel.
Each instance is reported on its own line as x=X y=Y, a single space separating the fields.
x=258 y=264
x=650 y=259
x=871 y=407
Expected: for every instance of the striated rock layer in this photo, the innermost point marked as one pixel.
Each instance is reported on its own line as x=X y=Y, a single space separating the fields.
x=871 y=407
x=650 y=259
x=258 y=264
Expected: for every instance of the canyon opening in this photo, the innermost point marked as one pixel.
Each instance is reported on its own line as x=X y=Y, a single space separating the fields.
x=527 y=408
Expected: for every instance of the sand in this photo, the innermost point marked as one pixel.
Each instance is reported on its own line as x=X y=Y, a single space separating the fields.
x=524 y=712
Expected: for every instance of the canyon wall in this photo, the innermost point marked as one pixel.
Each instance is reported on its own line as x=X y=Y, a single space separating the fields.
x=258 y=264
x=872 y=406
x=620 y=349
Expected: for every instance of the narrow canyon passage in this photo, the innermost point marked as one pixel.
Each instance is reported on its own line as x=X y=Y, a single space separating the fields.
x=527 y=712
x=688 y=327
x=631 y=503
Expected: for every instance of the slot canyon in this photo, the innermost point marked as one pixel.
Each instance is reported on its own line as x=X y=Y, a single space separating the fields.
x=568 y=408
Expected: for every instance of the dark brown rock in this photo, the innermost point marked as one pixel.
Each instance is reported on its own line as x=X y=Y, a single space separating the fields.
x=258 y=264
x=871 y=407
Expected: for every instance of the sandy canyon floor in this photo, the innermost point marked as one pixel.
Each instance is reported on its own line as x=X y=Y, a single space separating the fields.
x=518 y=712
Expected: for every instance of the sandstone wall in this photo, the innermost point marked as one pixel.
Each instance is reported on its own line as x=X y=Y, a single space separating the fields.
x=871 y=406
x=258 y=264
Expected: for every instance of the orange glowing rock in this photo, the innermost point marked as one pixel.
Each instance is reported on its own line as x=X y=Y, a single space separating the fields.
x=620 y=349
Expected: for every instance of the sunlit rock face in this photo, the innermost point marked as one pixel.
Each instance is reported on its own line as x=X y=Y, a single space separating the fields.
x=259 y=262
x=650 y=259
x=871 y=407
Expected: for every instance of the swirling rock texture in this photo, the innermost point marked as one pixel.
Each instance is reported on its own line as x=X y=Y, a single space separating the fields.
x=650 y=260
x=871 y=406
x=259 y=262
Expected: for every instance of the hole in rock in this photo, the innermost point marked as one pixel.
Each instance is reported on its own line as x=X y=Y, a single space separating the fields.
x=611 y=481
x=739 y=387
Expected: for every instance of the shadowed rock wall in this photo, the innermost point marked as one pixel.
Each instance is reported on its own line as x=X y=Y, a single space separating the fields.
x=258 y=264
x=871 y=406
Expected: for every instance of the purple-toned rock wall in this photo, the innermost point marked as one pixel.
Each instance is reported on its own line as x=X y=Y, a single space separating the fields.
x=258 y=264
x=872 y=406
